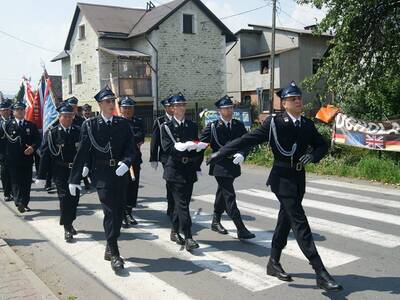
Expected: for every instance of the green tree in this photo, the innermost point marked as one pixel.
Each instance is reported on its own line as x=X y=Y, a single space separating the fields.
x=21 y=93
x=362 y=65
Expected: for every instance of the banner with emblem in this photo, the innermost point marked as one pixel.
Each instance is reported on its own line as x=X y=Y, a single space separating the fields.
x=381 y=136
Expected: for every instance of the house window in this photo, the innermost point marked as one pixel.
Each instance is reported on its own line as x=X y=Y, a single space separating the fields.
x=264 y=67
x=70 y=84
x=316 y=62
x=134 y=78
x=82 y=33
x=78 y=74
x=188 y=23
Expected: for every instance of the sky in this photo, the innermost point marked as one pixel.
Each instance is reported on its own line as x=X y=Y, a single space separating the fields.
x=45 y=23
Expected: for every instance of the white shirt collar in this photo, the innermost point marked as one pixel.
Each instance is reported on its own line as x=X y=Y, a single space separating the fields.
x=179 y=122
x=18 y=120
x=226 y=122
x=105 y=119
x=294 y=119
x=168 y=116
x=65 y=129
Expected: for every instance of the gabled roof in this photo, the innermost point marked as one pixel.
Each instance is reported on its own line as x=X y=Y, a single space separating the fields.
x=124 y=23
x=61 y=55
x=294 y=30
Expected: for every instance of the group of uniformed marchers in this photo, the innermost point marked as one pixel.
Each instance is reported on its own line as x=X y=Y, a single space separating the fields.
x=105 y=152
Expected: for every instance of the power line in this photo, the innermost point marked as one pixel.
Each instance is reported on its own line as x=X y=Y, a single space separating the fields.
x=27 y=42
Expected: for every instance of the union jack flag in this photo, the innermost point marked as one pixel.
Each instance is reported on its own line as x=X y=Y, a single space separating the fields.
x=374 y=142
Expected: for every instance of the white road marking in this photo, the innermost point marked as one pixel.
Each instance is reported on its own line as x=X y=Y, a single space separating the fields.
x=340 y=209
x=361 y=187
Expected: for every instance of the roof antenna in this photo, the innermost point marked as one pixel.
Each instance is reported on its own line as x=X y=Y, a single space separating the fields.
x=149 y=6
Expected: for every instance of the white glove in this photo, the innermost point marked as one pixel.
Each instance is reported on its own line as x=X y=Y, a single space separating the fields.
x=191 y=146
x=154 y=165
x=180 y=146
x=85 y=171
x=73 y=187
x=40 y=183
x=238 y=158
x=122 y=169
x=199 y=173
x=201 y=146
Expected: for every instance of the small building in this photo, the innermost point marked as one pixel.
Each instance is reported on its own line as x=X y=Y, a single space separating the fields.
x=146 y=53
x=298 y=54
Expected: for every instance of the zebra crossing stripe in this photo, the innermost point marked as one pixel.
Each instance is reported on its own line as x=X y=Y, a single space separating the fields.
x=360 y=187
x=335 y=208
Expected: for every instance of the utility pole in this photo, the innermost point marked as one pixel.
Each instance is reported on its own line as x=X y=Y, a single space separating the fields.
x=272 y=75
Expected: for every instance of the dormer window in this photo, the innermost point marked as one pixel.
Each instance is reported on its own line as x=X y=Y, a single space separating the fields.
x=82 y=33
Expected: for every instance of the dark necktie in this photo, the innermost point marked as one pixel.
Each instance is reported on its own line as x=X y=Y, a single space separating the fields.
x=20 y=124
x=109 y=123
x=297 y=124
x=229 y=126
x=67 y=130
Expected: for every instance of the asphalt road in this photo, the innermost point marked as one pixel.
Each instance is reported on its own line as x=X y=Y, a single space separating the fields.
x=356 y=227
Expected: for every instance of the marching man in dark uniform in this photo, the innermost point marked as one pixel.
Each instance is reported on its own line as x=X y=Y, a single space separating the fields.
x=87 y=114
x=291 y=137
x=157 y=153
x=106 y=145
x=23 y=139
x=5 y=115
x=182 y=167
x=78 y=120
x=86 y=111
x=127 y=105
x=218 y=133
x=59 y=149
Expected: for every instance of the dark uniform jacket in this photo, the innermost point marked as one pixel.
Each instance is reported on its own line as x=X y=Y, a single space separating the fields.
x=137 y=127
x=78 y=121
x=181 y=166
x=65 y=146
x=285 y=181
x=28 y=134
x=157 y=153
x=3 y=141
x=103 y=165
x=217 y=134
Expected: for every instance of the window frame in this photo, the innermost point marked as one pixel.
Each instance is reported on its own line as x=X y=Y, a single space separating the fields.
x=77 y=81
x=80 y=31
x=261 y=66
x=193 y=31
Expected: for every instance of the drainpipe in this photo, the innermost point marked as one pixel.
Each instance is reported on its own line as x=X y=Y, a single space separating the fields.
x=155 y=71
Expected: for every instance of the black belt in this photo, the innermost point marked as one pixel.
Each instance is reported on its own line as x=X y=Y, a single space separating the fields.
x=64 y=164
x=283 y=164
x=107 y=162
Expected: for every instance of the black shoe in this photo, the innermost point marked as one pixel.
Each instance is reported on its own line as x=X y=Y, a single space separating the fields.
x=107 y=254
x=191 y=244
x=68 y=236
x=177 y=238
x=125 y=222
x=244 y=234
x=8 y=199
x=216 y=224
x=327 y=283
x=117 y=263
x=275 y=269
x=21 y=208
x=131 y=220
x=73 y=231
x=27 y=208
x=87 y=187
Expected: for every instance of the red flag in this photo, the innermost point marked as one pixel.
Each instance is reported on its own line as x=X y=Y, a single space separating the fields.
x=33 y=111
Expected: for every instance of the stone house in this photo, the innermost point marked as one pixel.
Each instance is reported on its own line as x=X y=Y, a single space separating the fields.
x=146 y=53
x=297 y=56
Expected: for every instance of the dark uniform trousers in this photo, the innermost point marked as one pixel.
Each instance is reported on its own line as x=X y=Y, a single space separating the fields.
x=20 y=165
x=225 y=171
x=157 y=154
x=180 y=171
x=111 y=188
x=138 y=132
x=59 y=165
x=286 y=182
